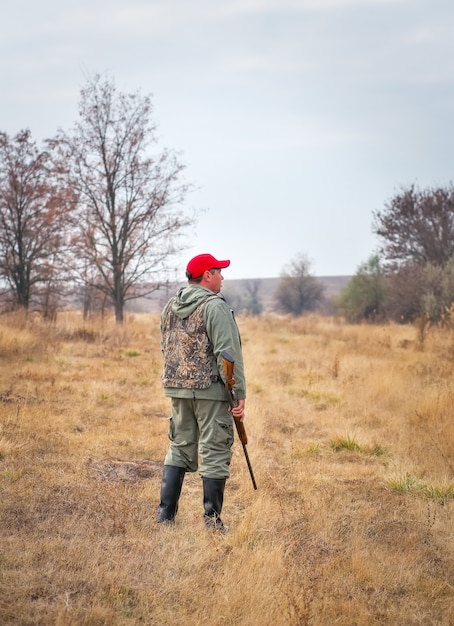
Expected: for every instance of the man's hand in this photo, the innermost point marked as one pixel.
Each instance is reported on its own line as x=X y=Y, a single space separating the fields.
x=238 y=411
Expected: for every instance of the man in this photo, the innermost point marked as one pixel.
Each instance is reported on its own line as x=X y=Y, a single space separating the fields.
x=196 y=326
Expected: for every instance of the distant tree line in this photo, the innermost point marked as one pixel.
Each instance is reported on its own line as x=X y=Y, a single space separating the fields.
x=410 y=276
x=94 y=214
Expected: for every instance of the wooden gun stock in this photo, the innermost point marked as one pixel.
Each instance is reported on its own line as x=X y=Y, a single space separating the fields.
x=228 y=363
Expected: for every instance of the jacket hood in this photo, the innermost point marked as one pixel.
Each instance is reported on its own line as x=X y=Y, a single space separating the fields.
x=188 y=298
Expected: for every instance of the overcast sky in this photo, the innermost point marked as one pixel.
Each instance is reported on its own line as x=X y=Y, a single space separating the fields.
x=296 y=118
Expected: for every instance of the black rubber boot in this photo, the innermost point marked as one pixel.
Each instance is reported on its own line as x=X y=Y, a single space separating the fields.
x=172 y=482
x=213 y=498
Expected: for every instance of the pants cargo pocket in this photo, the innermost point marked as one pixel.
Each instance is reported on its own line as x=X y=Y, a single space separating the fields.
x=224 y=431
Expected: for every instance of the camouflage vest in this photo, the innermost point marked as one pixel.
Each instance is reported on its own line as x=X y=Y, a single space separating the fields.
x=188 y=353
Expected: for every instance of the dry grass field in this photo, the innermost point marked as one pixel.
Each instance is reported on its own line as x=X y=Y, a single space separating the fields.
x=351 y=437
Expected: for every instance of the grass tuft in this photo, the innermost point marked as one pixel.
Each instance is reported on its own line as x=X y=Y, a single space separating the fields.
x=345 y=442
x=416 y=487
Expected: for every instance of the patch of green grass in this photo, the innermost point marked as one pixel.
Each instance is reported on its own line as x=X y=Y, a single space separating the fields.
x=404 y=484
x=374 y=450
x=320 y=399
x=411 y=485
x=345 y=442
x=133 y=353
x=314 y=449
x=435 y=492
x=12 y=474
x=349 y=442
x=377 y=450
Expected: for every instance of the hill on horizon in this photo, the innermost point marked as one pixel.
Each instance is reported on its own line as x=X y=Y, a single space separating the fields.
x=235 y=289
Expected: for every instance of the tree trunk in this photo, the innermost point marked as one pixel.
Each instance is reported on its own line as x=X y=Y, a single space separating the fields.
x=119 y=312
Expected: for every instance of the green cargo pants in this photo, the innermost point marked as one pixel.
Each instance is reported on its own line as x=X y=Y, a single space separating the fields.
x=201 y=427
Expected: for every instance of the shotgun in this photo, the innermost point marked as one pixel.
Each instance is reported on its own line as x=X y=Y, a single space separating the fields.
x=228 y=363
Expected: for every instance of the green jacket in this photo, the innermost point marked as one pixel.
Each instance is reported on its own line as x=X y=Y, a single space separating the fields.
x=223 y=333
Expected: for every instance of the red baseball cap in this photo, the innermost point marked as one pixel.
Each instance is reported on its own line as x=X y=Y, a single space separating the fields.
x=203 y=262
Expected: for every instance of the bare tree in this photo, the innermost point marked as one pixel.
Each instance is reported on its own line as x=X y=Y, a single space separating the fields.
x=33 y=223
x=253 y=305
x=130 y=215
x=297 y=290
x=417 y=227
x=245 y=299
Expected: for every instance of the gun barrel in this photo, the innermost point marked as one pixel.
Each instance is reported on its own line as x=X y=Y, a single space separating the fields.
x=229 y=362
